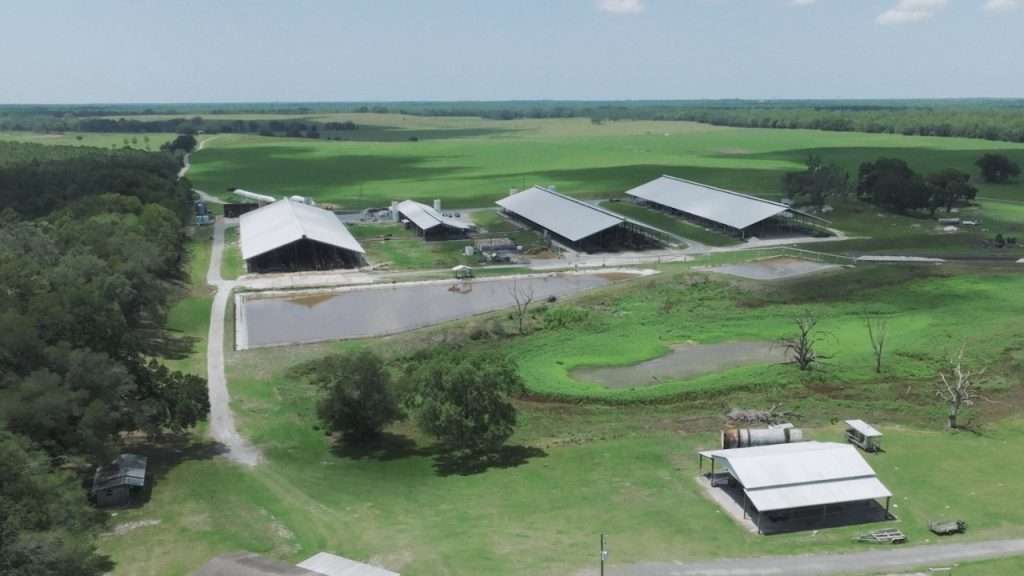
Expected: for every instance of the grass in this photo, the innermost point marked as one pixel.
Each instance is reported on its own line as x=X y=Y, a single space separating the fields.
x=673 y=225
x=232 y=266
x=395 y=246
x=579 y=469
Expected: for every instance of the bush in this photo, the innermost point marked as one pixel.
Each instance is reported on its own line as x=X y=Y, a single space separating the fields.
x=565 y=316
x=463 y=398
x=359 y=399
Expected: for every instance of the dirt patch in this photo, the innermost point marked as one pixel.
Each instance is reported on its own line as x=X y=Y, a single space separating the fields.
x=773 y=269
x=684 y=361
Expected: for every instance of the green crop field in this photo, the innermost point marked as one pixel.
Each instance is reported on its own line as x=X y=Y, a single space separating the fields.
x=98 y=140
x=472 y=162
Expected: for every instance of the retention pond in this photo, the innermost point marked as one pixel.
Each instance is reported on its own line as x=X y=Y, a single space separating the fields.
x=369 y=311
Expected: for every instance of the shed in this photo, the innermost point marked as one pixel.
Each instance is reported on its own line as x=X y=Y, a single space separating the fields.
x=430 y=223
x=712 y=205
x=574 y=222
x=288 y=236
x=864 y=435
x=790 y=477
x=119 y=482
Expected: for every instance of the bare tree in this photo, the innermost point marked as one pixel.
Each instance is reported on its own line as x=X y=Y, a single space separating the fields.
x=522 y=296
x=957 y=387
x=803 y=346
x=878 y=331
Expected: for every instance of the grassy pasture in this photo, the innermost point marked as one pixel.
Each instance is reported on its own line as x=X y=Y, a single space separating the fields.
x=232 y=266
x=95 y=139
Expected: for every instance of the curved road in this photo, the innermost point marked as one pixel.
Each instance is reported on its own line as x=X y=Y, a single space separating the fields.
x=222 y=421
x=901 y=558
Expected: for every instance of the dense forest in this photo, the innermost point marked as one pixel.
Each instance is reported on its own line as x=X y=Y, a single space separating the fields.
x=92 y=252
x=972 y=118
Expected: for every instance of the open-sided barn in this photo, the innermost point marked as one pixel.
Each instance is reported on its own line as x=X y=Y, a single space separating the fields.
x=575 y=223
x=803 y=478
x=289 y=236
x=430 y=223
x=717 y=207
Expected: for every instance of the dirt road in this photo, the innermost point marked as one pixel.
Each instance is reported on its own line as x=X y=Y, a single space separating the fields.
x=222 y=421
x=867 y=562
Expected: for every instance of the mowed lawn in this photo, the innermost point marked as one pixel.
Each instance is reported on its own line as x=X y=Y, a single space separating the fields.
x=575 y=470
x=472 y=162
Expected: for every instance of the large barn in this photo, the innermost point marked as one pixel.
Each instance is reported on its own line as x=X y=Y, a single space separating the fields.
x=718 y=208
x=288 y=236
x=784 y=483
x=575 y=223
x=430 y=223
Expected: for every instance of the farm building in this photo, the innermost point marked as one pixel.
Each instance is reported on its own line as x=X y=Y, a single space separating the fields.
x=575 y=223
x=797 y=486
x=289 y=236
x=119 y=482
x=429 y=223
x=721 y=209
x=322 y=564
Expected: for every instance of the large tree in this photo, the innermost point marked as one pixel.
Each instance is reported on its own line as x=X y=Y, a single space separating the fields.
x=358 y=398
x=997 y=168
x=948 y=188
x=890 y=183
x=817 y=184
x=463 y=398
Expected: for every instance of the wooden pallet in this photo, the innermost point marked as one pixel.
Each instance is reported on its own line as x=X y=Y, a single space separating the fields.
x=886 y=536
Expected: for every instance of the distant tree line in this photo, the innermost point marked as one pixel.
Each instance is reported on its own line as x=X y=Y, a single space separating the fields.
x=92 y=250
x=292 y=128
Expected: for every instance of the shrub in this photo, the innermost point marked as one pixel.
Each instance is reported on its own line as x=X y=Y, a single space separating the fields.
x=359 y=400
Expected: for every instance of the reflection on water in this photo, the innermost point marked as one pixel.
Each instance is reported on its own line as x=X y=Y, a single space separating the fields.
x=377 y=311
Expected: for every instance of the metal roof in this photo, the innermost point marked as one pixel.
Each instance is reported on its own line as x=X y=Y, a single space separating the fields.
x=287 y=221
x=782 y=476
x=126 y=470
x=332 y=565
x=249 y=564
x=425 y=217
x=719 y=205
x=866 y=430
x=568 y=217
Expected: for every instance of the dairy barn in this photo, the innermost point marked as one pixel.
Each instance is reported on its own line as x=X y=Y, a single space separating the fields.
x=289 y=236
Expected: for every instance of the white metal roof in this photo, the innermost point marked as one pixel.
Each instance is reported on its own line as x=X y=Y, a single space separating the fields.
x=425 y=217
x=332 y=565
x=803 y=495
x=867 y=430
x=726 y=207
x=286 y=221
x=568 y=217
x=801 y=474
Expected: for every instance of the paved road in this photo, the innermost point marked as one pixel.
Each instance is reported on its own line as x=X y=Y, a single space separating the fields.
x=222 y=421
x=868 y=562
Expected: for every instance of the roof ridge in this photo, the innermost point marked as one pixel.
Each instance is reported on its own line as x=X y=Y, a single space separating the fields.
x=726 y=191
x=580 y=202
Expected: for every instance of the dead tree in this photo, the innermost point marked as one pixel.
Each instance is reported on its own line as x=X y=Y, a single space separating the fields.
x=878 y=331
x=802 y=348
x=957 y=388
x=522 y=297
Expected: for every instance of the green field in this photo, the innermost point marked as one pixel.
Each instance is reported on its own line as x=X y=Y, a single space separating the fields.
x=483 y=159
x=95 y=139
x=394 y=246
x=576 y=469
x=232 y=266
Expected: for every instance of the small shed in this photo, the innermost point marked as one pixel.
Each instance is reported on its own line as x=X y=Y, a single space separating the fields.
x=119 y=482
x=862 y=434
x=462 y=271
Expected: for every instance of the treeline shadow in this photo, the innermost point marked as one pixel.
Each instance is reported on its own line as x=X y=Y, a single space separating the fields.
x=164 y=455
x=446 y=461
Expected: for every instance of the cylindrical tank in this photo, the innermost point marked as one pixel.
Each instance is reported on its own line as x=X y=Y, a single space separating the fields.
x=747 y=437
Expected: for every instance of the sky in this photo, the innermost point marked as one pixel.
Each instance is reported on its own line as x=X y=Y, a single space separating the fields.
x=114 y=51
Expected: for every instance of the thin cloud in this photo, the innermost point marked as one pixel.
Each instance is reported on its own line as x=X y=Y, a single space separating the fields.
x=803 y=2
x=910 y=11
x=1002 y=5
x=622 y=6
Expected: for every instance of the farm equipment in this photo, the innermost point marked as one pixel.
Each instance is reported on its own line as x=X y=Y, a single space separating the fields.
x=886 y=536
x=947 y=527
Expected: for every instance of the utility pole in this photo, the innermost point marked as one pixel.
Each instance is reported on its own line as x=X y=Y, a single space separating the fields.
x=604 y=553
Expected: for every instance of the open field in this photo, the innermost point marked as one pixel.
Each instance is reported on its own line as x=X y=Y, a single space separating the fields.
x=232 y=266
x=579 y=157
x=573 y=470
x=396 y=247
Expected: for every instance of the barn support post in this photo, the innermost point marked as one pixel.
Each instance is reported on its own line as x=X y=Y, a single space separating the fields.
x=888 y=499
x=712 y=471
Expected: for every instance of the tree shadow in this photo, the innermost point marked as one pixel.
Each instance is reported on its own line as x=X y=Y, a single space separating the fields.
x=459 y=463
x=165 y=454
x=384 y=448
